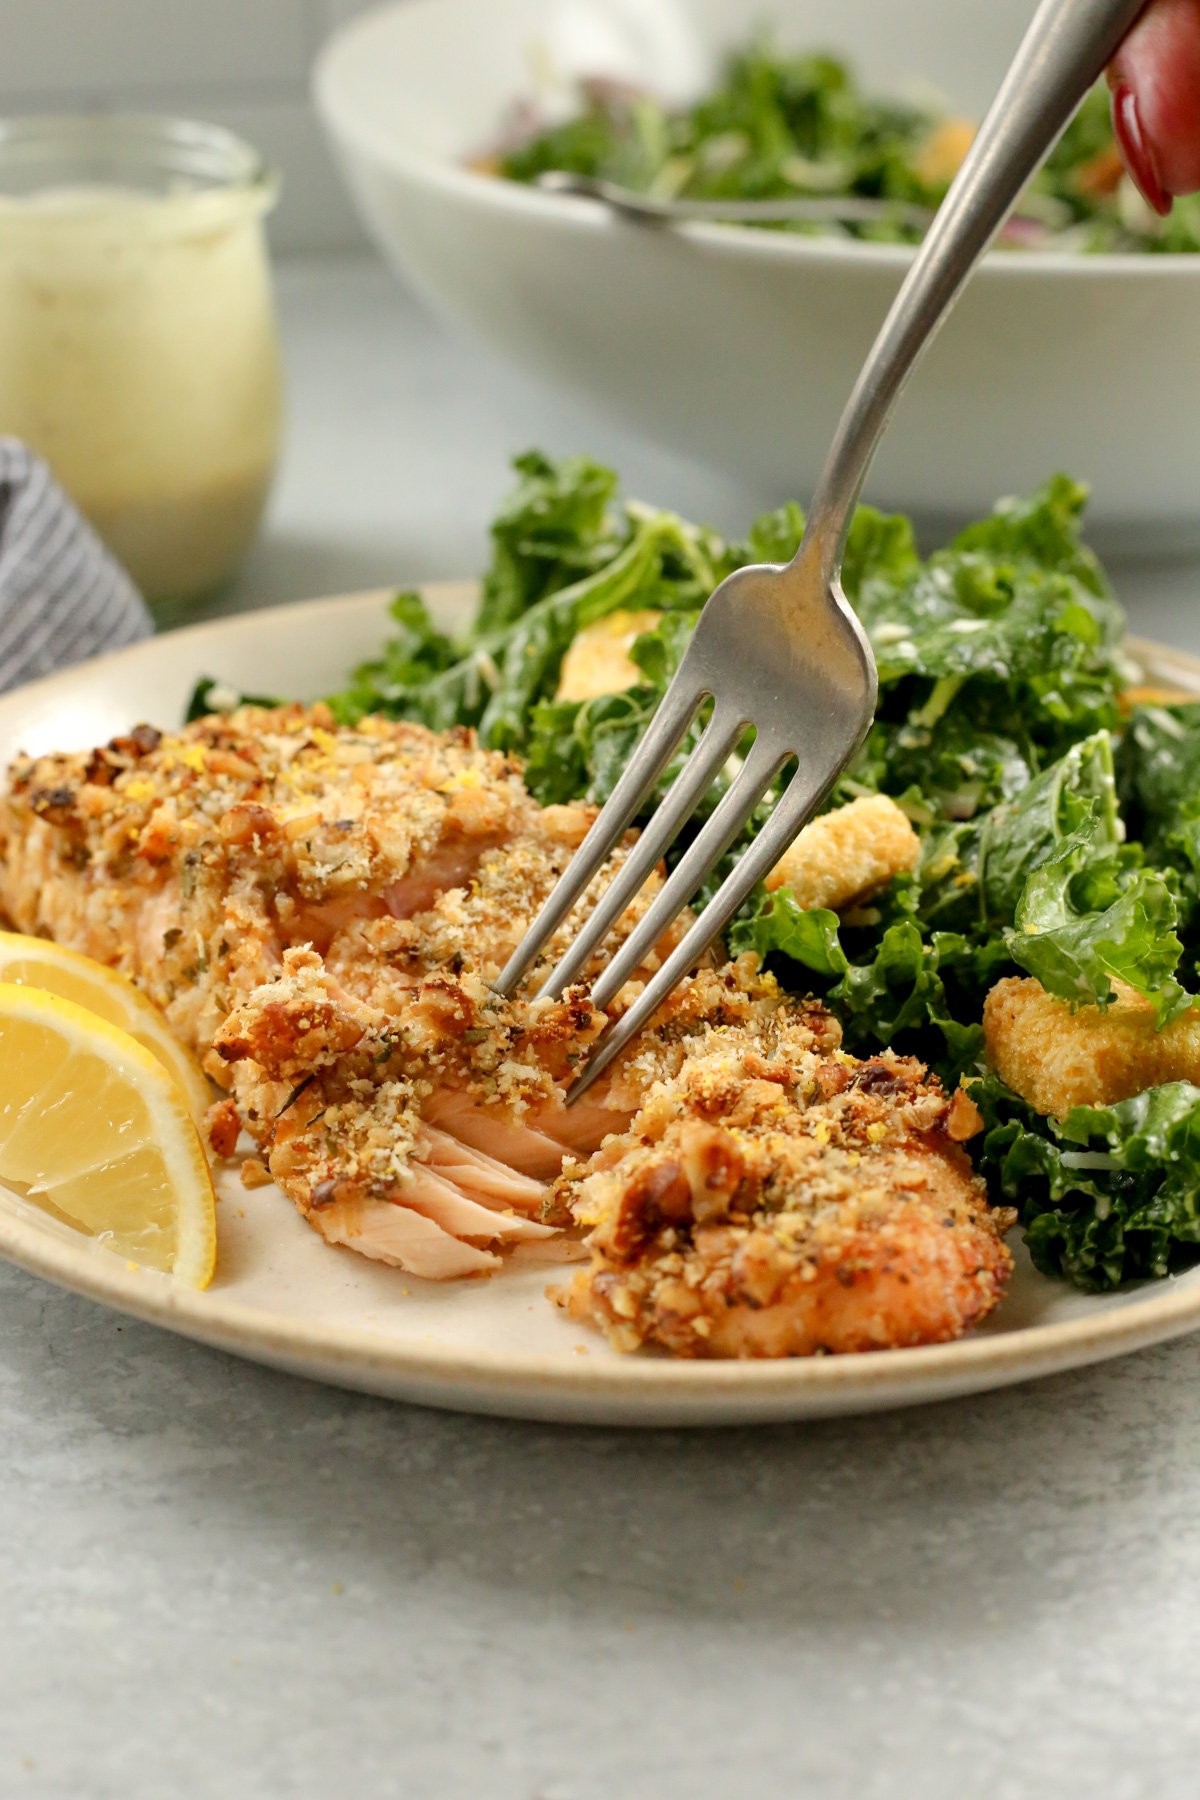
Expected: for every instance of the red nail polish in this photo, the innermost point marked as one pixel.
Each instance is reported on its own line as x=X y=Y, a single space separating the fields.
x=1127 y=125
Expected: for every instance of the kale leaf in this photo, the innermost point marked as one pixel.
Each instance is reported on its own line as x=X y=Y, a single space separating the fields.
x=1085 y=920
x=1158 y=769
x=1009 y=639
x=563 y=558
x=212 y=696
x=555 y=528
x=1106 y=1195
x=888 y=985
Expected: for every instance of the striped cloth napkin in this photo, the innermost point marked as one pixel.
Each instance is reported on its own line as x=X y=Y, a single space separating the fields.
x=63 y=598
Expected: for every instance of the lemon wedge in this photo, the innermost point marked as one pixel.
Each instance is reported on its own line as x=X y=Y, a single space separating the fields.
x=93 y=1127
x=32 y=962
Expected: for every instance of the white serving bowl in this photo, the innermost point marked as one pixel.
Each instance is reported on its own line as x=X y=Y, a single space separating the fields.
x=738 y=347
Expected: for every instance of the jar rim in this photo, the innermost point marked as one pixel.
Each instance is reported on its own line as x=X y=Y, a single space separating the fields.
x=154 y=155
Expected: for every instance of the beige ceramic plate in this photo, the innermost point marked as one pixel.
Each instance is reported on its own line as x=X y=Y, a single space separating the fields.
x=281 y=1296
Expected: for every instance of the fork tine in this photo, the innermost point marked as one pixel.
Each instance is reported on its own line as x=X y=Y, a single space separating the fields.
x=795 y=805
x=676 y=710
x=727 y=820
x=685 y=793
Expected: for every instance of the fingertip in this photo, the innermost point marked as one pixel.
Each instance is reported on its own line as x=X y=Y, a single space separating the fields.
x=1158 y=127
x=1136 y=151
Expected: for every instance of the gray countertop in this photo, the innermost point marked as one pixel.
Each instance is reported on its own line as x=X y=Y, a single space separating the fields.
x=221 y=1581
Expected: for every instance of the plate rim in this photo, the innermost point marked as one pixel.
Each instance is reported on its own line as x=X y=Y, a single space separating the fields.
x=629 y=1390
x=291 y=1341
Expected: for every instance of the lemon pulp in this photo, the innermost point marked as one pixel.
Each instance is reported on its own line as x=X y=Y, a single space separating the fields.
x=34 y=962
x=92 y=1124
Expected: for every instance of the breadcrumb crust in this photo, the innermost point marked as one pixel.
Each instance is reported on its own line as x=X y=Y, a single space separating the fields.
x=777 y=1198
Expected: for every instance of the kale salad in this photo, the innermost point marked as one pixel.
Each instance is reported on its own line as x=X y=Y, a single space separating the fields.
x=1059 y=818
x=782 y=125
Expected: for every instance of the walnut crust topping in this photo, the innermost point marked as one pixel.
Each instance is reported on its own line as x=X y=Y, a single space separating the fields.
x=278 y=794
x=192 y=861
x=771 y=1200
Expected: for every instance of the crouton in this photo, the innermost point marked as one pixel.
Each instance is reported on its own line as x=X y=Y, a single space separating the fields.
x=1130 y=697
x=848 y=854
x=598 y=661
x=1056 y=1059
x=944 y=151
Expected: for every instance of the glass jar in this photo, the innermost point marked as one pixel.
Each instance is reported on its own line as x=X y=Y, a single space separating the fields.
x=139 y=350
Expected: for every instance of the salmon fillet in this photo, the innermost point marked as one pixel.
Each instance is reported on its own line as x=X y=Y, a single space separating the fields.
x=319 y=912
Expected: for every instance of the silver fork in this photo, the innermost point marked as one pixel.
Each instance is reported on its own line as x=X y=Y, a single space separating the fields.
x=778 y=647
x=814 y=209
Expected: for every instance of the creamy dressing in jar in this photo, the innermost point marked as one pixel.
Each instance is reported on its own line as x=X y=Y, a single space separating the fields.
x=138 y=343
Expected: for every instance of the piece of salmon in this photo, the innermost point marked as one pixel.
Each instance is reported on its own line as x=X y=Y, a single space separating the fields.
x=770 y=1200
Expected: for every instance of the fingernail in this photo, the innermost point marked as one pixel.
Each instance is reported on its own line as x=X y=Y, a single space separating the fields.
x=1127 y=125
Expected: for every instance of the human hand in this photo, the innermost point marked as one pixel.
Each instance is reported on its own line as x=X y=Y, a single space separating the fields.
x=1155 y=82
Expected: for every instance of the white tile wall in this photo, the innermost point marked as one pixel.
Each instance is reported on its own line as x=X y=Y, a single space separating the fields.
x=242 y=63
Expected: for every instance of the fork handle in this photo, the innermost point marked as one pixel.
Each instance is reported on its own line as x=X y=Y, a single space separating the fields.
x=1063 y=52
